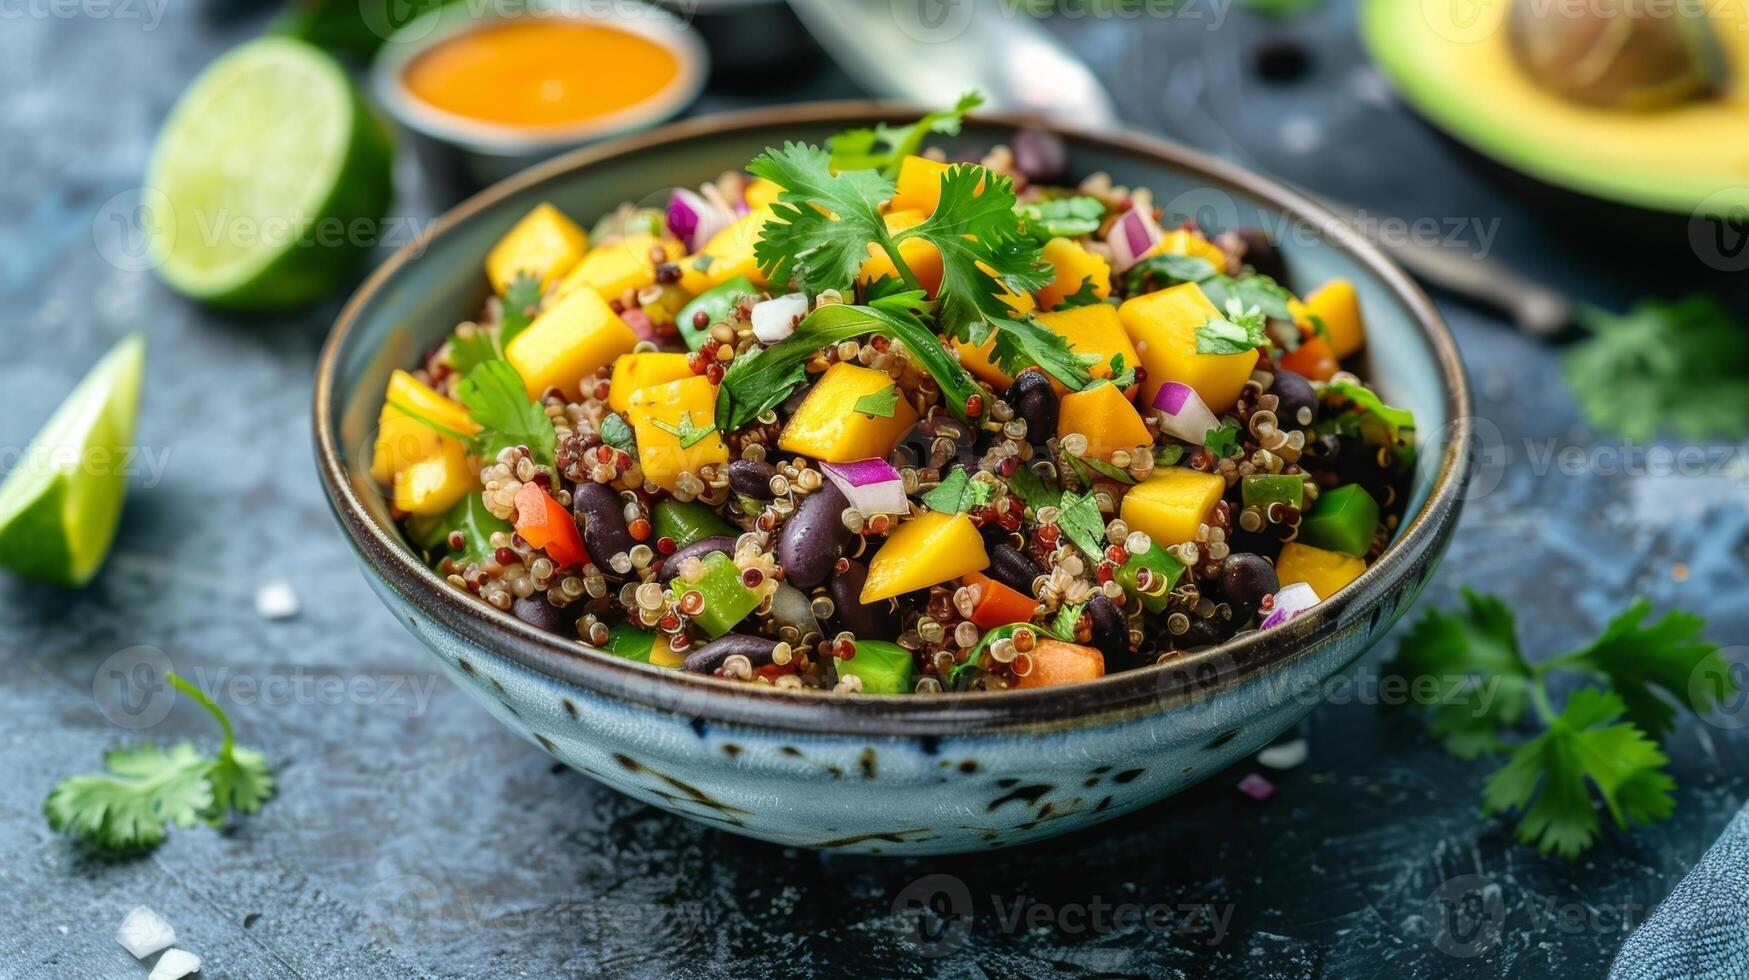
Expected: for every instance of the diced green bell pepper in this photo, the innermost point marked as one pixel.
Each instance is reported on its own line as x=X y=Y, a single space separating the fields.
x=715 y=302
x=1343 y=519
x=885 y=668
x=688 y=521
x=1159 y=561
x=726 y=600
x=626 y=640
x=1263 y=489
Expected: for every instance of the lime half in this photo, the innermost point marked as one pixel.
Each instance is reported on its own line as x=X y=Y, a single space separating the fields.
x=60 y=504
x=269 y=181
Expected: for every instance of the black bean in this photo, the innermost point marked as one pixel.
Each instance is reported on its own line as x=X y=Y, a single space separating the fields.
x=812 y=537
x=1040 y=155
x=1261 y=254
x=752 y=478
x=602 y=513
x=1246 y=579
x=1294 y=392
x=1032 y=399
x=1111 y=634
x=872 y=621
x=708 y=658
x=697 y=549
x=536 y=611
x=1013 y=569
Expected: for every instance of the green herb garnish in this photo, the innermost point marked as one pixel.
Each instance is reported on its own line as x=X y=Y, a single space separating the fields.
x=1257 y=292
x=1166 y=269
x=1031 y=490
x=884 y=147
x=1367 y=403
x=617 y=432
x=958 y=493
x=1078 y=517
x=879 y=404
x=498 y=402
x=1681 y=366
x=1063 y=217
x=688 y=432
x=471 y=518
x=521 y=302
x=125 y=810
x=1485 y=689
x=1239 y=331
x=1086 y=295
x=1223 y=440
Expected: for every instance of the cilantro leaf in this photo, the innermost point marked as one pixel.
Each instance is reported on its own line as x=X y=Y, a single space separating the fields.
x=1260 y=291
x=1063 y=217
x=1087 y=295
x=983 y=250
x=521 y=301
x=1663 y=656
x=430 y=533
x=1369 y=407
x=1472 y=658
x=499 y=403
x=1031 y=490
x=125 y=810
x=617 y=432
x=1068 y=617
x=957 y=493
x=1079 y=517
x=823 y=222
x=1241 y=330
x=1680 y=366
x=1224 y=440
x=1547 y=778
x=1166 y=269
x=879 y=404
x=688 y=432
x=884 y=147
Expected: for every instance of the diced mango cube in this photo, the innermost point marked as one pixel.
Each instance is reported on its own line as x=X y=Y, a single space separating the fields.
x=926 y=549
x=1074 y=266
x=1105 y=417
x=544 y=244
x=436 y=483
x=761 y=193
x=569 y=341
x=1094 y=330
x=1163 y=327
x=403 y=439
x=617 y=266
x=1325 y=571
x=919 y=185
x=828 y=427
x=636 y=371
x=675 y=425
x=1338 y=306
x=922 y=258
x=728 y=254
x=1171 y=504
x=1182 y=241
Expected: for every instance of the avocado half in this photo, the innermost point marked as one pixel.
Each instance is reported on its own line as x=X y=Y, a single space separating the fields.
x=1453 y=62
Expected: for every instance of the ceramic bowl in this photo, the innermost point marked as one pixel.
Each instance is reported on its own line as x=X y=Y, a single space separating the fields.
x=916 y=774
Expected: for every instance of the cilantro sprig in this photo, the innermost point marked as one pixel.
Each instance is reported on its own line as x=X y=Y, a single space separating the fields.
x=884 y=147
x=1241 y=330
x=499 y=403
x=521 y=302
x=125 y=810
x=1680 y=366
x=1603 y=741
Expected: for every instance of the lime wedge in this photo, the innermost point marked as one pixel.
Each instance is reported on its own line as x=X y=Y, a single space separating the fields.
x=60 y=504
x=269 y=180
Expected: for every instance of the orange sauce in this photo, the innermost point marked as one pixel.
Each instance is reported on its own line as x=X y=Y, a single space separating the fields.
x=541 y=72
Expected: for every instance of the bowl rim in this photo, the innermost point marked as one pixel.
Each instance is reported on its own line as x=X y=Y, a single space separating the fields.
x=1143 y=690
x=387 y=76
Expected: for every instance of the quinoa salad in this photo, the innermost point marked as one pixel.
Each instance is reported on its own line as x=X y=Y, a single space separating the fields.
x=859 y=418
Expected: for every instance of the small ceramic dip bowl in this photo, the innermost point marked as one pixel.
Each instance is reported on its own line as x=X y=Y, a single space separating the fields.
x=899 y=774
x=486 y=89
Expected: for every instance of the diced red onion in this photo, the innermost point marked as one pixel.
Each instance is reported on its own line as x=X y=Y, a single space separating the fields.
x=1183 y=413
x=1256 y=787
x=775 y=319
x=1131 y=236
x=695 y=220
x=1292 y=601
x=871 y=485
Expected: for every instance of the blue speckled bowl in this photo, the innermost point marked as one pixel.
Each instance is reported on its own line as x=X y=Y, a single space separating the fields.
x=883 y=774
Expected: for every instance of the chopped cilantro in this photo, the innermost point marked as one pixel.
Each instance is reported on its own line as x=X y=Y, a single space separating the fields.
x=1078 y=517
x=688 y=432
x=1031 y=490
x=1087 y=295
x=958 y=493
x=879 y=404
x=1223 y=440
x=1063 y=217
x=1241 y=330
x=499 y=404
x=616 y=432
x=884 y=147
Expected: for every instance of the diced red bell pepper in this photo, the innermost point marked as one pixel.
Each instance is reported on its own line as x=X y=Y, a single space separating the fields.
x=546 y=524
x=998 y=605
x=1313 y=359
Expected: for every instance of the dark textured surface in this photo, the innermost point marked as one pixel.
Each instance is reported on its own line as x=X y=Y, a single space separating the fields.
x=414 y=837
